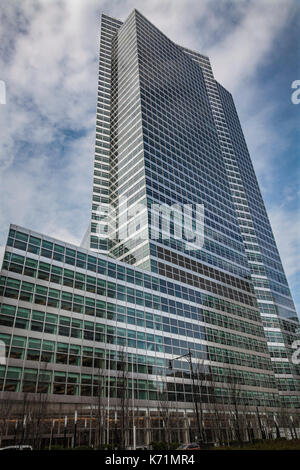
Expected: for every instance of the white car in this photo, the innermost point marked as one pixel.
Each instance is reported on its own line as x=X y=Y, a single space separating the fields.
x=17 y=448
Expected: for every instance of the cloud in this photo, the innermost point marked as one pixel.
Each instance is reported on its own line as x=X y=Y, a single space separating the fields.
x=237 y=58
x=2 y=249
x=50 y=66
x=286 y=231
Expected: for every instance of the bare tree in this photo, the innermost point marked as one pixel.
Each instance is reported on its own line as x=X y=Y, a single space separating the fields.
x=235 y=396
x=24 y=414
x=38 y=408
x=203 y=378
x=123 y=395
x=6 y=411
x=99 y=408
x=220 y=423
x=163 y=406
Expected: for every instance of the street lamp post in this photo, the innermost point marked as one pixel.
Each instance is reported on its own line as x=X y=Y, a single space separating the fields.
x=188 y=357
x=65 y=431
x=24 y=429
x=277 y=427
x=75 y=429
x=263 y=434
x=293 y=427
x=51 y=433
x=16 y=431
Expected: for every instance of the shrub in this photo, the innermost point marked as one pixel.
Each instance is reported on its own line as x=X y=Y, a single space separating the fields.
x=83 y=448
x=155 y=445
x=272 y=444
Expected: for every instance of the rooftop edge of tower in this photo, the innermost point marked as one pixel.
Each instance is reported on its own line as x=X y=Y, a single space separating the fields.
x=137 y=12
x=111 y=18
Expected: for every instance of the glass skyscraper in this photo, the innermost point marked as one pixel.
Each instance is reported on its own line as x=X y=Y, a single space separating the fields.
x=107 y=322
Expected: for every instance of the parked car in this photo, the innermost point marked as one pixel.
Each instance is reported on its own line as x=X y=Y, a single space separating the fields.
x=17 y=448
x=190 y=446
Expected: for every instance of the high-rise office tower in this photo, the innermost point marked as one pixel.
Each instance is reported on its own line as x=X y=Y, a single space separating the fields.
x=176 y=138
x=177 y=300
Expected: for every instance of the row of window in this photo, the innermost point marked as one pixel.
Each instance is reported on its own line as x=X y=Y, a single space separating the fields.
x=197 y=267
x=64 y=326
x=137 y=278
x=47 y=351
x=196 y=281
x=15 y=263
x=90 y=307
x=14 y=379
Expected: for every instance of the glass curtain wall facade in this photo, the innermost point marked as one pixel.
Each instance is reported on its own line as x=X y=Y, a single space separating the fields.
x=182 y=143
x=80 y=327
x=103 y=323
x=280 y=320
